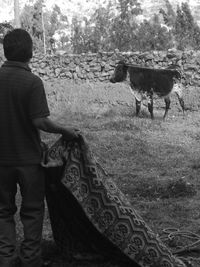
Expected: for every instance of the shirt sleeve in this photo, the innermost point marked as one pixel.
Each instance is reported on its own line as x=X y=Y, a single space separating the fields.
x=38 y=106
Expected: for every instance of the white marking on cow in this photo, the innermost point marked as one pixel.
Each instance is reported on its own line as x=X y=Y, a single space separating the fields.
x=178 y=89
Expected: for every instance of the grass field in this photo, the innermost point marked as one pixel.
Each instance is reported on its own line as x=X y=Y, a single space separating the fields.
x=155 y=163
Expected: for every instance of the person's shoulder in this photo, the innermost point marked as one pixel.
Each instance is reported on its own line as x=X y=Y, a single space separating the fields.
x=33 y=75
x=35 y=79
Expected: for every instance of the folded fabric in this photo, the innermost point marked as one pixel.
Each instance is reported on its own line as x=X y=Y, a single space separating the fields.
x=89 y=212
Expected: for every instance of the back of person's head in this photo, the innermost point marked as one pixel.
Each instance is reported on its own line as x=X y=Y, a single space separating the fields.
x=18 y=45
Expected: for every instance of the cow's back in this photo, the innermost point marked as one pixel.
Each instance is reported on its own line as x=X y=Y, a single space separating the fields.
x=160 y=81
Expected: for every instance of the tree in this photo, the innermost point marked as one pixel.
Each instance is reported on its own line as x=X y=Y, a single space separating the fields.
x=4 y=28
x=122 y=32
x=54 y=20
x=64 y=41
x=16 y=14
x=26 y=18
x=100 y=22
x=152 y=36
x=196 y=37
x=186 y=31
x=92 y=35
x=77 y=36
x=43 y=23
x=31 y=20
x=37 y=20
x=169 y=15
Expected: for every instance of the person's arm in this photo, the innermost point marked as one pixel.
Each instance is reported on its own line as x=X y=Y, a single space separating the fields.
x=47 y=125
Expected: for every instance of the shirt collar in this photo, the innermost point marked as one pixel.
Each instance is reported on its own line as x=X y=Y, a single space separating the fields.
x=16 y=64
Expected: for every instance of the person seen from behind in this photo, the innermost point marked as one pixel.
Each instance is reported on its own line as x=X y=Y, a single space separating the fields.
x=23 y=112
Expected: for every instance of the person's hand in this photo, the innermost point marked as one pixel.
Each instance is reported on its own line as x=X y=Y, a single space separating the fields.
x=70 y=134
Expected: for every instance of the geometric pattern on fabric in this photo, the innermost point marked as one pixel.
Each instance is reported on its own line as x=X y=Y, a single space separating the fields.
x=105 y=207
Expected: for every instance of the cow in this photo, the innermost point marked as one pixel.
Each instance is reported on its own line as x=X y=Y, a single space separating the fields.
x=145 y=82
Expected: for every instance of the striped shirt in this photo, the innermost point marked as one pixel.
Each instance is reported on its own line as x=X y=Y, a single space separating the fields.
x=22 y=98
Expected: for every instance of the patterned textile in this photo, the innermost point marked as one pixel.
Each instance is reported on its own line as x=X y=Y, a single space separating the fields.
x=88 y=212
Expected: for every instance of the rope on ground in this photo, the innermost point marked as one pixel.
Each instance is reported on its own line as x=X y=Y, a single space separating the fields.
x=176 y=240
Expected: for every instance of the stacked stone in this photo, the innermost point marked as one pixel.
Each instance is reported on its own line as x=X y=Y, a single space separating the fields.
x=99 y=67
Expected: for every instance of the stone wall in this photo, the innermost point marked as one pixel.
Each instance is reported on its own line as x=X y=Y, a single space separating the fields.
x=99 y=67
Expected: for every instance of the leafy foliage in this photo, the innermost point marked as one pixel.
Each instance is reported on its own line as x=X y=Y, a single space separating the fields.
x=100 y=33
x=92 y=35
x=31 y=20
x=79 y=36
x=153 y=36
x=169 y=15
x=186 y=31
x=124 y=26
x=4 y=28
x=107 y=30
x=115 y=26
x=34 y=19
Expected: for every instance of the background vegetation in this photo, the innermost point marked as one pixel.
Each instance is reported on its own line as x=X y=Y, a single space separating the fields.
x=111 y=28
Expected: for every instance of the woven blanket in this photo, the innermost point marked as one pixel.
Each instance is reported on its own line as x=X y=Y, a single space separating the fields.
x=88 y=212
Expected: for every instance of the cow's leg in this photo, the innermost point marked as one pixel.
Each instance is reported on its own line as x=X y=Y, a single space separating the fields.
x=181 y=101
x=150 y=106
x=138 y=106
x=167 y=106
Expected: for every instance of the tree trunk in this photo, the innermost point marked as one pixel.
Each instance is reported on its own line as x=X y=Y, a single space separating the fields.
x=16 y=14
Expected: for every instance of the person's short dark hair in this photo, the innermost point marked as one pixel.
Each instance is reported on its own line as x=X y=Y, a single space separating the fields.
x=18 y=45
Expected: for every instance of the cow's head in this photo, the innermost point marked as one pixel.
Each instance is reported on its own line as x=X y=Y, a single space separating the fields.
x=120 y=73
x=176 y=72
